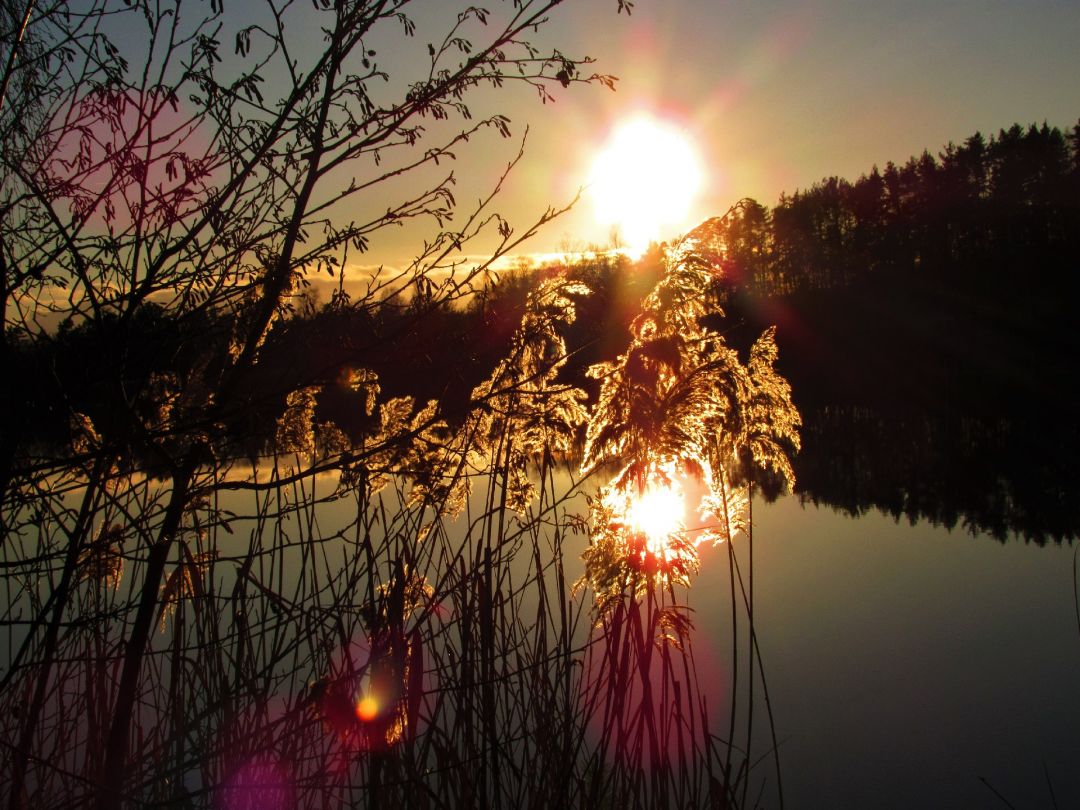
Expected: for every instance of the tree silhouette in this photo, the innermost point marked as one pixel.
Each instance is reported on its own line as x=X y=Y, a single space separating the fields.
x=987 y=207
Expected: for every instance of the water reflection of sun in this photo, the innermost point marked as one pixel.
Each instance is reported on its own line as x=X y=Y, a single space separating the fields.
x=645 y=177
x=657 y=513
x=650 y=519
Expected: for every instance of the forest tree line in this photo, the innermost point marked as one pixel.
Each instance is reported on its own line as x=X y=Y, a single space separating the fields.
x=946 y=283
x=1003 y=205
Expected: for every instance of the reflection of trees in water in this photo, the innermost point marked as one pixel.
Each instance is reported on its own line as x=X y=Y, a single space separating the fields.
x=1005 y=476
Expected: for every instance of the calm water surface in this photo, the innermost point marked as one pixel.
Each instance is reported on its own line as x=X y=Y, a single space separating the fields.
x=907 y=661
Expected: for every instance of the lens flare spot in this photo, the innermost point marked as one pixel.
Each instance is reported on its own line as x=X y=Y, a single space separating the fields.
x=367 y=709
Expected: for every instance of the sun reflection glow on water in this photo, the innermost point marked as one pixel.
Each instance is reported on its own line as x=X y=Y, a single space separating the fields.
x=658 y=513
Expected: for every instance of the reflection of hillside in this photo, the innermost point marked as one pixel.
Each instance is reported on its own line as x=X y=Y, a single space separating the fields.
x=899 y=343
x=1005 y=476
x=934 y=399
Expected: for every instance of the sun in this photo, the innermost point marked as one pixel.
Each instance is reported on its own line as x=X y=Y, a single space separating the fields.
x=644 y=178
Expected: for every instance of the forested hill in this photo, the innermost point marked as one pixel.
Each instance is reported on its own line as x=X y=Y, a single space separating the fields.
x=926 y=319
x=950 y=280
x=1004 y=205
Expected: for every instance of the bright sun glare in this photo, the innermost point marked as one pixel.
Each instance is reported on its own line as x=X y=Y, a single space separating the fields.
x=658 y=512
x=645 y=177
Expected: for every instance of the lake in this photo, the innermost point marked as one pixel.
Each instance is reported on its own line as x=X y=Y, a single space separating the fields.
x=908 y=664
x=906 y=661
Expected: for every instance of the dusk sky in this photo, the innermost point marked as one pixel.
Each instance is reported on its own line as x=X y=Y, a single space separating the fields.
x=777 y=95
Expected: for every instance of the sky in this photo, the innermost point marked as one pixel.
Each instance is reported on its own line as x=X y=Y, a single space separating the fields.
x=777 y=94
x=771 y=95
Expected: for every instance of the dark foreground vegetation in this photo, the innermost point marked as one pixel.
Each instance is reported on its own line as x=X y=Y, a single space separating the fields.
x=385 y=553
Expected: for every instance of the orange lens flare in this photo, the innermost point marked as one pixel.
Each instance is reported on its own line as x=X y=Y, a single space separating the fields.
x=367 y=709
